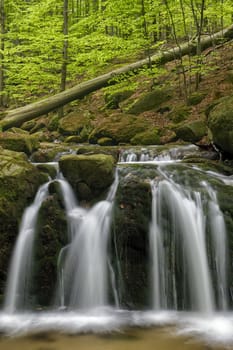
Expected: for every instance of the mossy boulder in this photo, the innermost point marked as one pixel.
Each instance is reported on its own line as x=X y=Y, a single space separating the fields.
x=95 y=172
x=195 y=98
x=113 y=99
x=130 y=239
x=76 y=123
x=192 y=132
x=220 y=122
x=48 y=152
x=147 y=102
x=179 y=114
x=105 y=141
x=51 y=237
x=148 y=137
x=19 y=181
x=120 y=128
x=18 y=142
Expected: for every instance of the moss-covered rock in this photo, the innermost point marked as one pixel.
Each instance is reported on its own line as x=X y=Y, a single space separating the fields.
x=220 y=122
x=149 y=137
x=105 y=141
x=121 y=128
x=192 y=132
x=195 y=98
x=96 y=171
x=179 y=114
x=130 y=239
x=76 y=123
x=18 y=142
x=114 y=98
x=49 y=151
x=19 y=181
x=147 y=102
x=51 y=237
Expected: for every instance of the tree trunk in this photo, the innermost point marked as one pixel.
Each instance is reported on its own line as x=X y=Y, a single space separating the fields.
x=2 y=32
x=18 y=116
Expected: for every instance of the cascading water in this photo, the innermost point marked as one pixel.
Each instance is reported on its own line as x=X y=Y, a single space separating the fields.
x=187 y=224
x=21 y=263
x=85 y=270
x=218 y=234
x=187 y=238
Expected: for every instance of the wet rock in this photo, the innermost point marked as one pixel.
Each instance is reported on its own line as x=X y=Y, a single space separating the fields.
x=220 y=122
x=120 y=128
x=19 y=181
x=94 y=170
x=191 y=132
x=19 y=142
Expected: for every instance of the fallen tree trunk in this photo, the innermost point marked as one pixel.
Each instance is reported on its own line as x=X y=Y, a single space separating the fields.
x=18 y=116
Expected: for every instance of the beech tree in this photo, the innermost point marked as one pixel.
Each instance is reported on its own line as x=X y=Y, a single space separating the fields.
x=48 y=44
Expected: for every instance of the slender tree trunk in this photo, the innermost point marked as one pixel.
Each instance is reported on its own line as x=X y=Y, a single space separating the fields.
x=18 y=116
x=2 y=46
x=65 y=50
x=179 y=47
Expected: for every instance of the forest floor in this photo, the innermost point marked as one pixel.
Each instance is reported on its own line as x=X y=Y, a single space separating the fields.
x=216 y=82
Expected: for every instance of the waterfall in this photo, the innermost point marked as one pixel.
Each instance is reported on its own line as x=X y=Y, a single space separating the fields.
x=157 y=255
x=218 y=234
x=85 y=271
x=187 y=229
x=20 y=269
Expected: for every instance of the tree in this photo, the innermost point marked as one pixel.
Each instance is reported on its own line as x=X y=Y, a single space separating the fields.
x=2 y=46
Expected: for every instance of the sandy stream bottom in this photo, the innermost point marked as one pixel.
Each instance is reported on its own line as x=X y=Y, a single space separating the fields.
x=131 y=339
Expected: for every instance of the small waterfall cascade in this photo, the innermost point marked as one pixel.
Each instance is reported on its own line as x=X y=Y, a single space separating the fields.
x=84 y=271
x=21 y=262
x=156 y=154
x=157 y=255
x=218 y=235
x=188 y=248
x=186 y=231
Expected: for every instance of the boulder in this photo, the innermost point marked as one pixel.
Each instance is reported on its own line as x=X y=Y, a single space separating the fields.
x=19 y=181
x=220 y=122
x=148 y=137
x=120 y=128
x=88 y=174
x=76 y=123
x=191 y=132
x=19 y=142
x=130 y=240
x=147 y=102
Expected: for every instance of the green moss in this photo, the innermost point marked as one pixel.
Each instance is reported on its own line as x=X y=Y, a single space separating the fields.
x=76 y=123
x=105 y=141
x=147 y=102
x=113 y=98
x=18 y=142
x=121 y=128
x=192 y=132
x=196 y=98
x=19 y=181
x=149 y=137
x=179 y=114
x=220 y=122
x=95 y=170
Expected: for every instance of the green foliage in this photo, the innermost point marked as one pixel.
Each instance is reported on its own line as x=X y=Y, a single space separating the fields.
x=99 y=31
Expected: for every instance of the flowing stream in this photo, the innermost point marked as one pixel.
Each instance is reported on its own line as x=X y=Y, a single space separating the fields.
x=188 y=253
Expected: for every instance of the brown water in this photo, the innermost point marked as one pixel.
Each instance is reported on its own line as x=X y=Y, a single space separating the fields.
x=132 y=339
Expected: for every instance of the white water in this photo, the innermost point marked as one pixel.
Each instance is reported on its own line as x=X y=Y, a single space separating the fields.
x=157 y=256
x=20 y=269
x=187 y=225
x=218 y=233
x=88 y=235
x=84 y=274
